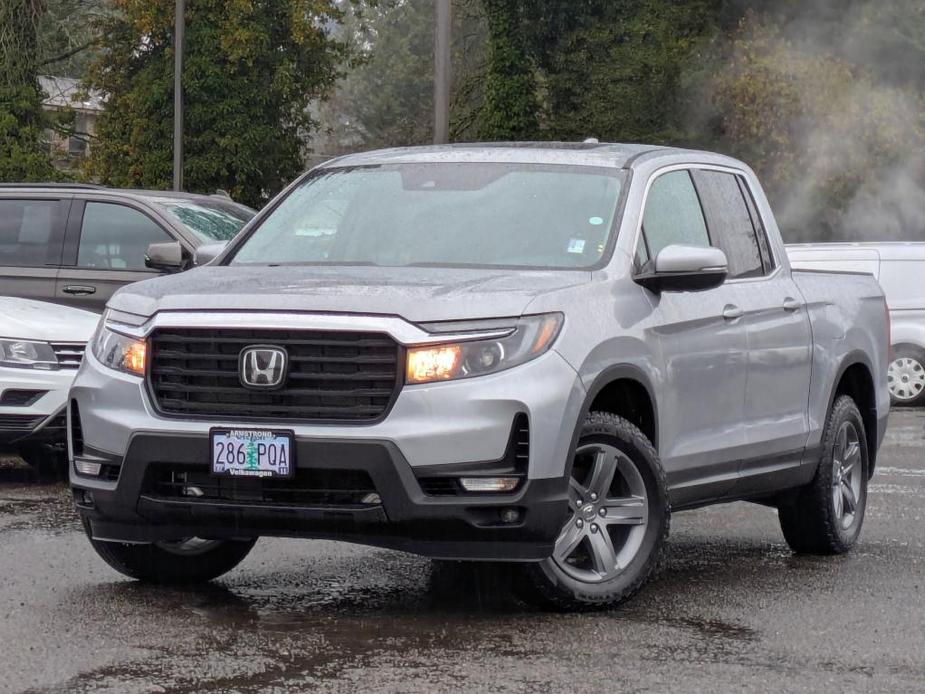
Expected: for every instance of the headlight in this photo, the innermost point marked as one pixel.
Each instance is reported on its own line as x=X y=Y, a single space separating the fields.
x=532 y=336
x=24 y=354
x=119 y=352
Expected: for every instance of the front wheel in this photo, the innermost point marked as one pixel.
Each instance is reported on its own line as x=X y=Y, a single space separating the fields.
x=616 y=523
x=193 y=560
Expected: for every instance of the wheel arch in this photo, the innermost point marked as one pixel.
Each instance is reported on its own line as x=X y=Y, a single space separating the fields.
x=855 y=379
x=623 y=390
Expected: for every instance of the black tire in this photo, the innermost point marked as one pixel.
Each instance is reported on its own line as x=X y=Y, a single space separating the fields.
x=156 y=563
x=810 y=519
x=547 y=583
x=913 y=362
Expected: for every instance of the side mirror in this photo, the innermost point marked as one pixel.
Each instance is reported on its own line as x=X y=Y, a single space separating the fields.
x=680 y=268
x=167 y=257
x=207 y=253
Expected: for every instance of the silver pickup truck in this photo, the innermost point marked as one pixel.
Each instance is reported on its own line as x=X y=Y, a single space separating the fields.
x=526 y=353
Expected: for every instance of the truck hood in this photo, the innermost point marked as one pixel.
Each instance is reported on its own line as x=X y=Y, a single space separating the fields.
x=26 y=319
x=415 y=294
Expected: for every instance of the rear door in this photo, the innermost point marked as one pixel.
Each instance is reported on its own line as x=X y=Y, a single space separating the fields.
x=777 y=328
x=105 y=250
x=31 y=238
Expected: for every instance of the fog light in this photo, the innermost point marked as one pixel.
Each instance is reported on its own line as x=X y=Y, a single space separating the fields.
x=85 y=467
x=193 y=491
x=489 y=484
x=510 y=515
x=371 y=498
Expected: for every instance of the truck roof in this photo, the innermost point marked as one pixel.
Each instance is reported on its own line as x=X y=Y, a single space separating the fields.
x=591 y=153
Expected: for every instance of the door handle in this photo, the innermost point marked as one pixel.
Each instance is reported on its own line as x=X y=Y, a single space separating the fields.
x=731 y=312
x=79 y=289
x=791 y=304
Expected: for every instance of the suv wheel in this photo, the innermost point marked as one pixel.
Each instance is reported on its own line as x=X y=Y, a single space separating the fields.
x=826 y=515
x=193 y=560
x=906 y=376
x=616 y=523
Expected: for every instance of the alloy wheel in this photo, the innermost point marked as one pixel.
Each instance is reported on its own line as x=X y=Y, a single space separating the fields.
x=846 y=475
x=608 y=513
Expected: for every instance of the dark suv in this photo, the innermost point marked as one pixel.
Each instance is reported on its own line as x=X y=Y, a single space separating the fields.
x=77 y=244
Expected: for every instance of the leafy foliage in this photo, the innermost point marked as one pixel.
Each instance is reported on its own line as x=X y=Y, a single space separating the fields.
x=819 y=131
x=23 y=151
x=252 y=68
x=385 y=99
x=510 y=107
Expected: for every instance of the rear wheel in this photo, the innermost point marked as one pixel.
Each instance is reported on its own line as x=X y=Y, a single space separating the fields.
x=906 y=376
x=826 y=516
x=193 y=560
x=616 y=523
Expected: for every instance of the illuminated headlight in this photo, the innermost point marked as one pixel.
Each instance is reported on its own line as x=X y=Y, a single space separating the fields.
x=119 y=352
x=23 y=354
x=532 y=336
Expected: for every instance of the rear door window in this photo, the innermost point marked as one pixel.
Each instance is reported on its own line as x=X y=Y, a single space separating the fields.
x=30 y=232
x=672 y=216
x=730 y=222
x=115 y=237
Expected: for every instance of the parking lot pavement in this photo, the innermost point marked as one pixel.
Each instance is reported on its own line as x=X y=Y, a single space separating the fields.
x=732 y=609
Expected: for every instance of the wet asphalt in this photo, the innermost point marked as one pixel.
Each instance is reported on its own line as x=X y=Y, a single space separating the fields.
x=732 y=609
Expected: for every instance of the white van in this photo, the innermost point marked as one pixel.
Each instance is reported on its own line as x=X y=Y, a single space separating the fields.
x=900 y=269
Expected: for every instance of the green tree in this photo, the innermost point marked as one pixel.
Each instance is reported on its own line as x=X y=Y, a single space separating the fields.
x=510 y=108
x=252 y=69
x=822 y=133
x=385 y=97
x=24 y=153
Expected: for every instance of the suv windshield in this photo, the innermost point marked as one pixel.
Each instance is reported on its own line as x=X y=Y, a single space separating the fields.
x=446 y=214
x=210 y=220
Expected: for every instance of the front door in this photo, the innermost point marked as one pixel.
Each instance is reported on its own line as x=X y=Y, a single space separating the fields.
x=704 y=347
x=104 y=252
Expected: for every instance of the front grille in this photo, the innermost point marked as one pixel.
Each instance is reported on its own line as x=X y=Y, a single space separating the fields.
x=307 y=487
x=69 y=354
x=19 y=422
x=21 y=398
x=333 y=376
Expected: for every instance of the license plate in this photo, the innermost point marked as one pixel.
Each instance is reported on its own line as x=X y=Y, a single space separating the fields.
x=251 y=453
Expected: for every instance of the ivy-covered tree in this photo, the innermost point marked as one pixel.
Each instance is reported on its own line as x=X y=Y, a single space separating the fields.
x=252 y=67
x=24 y=154
x=510 y=107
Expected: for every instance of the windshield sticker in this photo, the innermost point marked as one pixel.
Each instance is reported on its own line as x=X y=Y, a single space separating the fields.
x=596 y=221
x=576 y=246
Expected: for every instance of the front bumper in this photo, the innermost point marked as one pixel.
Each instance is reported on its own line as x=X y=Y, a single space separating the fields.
x=42 y=417
x=162 y=491
x=431 y=430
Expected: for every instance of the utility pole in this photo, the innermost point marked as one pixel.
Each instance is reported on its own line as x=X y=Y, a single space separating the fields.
x=178 y=38
x=442 y=72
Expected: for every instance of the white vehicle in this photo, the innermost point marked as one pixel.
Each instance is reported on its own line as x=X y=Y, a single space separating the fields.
x=900 y=269
x=41 y=347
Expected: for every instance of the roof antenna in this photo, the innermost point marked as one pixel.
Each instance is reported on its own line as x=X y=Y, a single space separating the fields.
x=591 y=141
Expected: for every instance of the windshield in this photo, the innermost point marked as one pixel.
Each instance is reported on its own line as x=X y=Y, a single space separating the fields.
x=446 y=214
x=209 y=220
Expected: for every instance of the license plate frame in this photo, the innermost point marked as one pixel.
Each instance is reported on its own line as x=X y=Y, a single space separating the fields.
x=251 y=466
